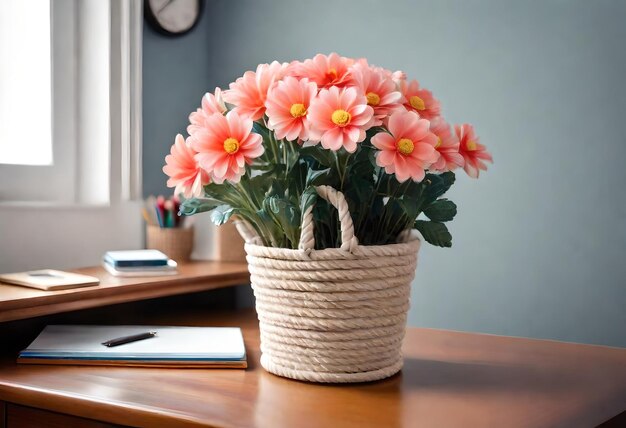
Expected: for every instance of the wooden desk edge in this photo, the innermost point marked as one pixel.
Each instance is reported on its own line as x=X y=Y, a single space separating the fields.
x=94 y=296
x=100 y=410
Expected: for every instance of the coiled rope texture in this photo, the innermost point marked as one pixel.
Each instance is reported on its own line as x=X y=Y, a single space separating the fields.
x=333 y=315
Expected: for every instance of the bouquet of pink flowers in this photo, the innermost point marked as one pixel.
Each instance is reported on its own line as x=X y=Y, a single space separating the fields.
x=258 y=149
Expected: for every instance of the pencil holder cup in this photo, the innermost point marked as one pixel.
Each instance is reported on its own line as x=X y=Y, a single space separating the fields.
x=175 y=242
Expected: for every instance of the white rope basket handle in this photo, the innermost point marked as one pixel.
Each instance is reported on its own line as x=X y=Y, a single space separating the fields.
x=246 y=231
x=349 y=241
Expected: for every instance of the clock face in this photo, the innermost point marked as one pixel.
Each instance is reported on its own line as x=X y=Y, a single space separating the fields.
x=173 y=16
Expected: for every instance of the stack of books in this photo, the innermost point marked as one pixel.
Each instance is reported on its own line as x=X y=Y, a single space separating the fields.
x=138 y=263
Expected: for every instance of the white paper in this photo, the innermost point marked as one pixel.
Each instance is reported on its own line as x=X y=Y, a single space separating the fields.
x=170 y=342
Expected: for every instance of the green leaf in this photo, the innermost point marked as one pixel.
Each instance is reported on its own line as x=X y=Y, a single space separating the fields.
x=410 y=207
x=326 y=225
x=221 y=214
x=296 y=181
x=359 y=191
x=413 y=189
x=279 y=206
x=389 y=185
x=308 y=198
x=396 y=219
x=441 y=210
x=322 y=156
x=221 y=192
x=276 y=189
x=437 y=185
x=375 y=130
x=318 y=177
x=361 y=165
x=434 y=232
x=261 y=130
x=371 y=156
x=195 y=206
x=264 y=179
x=285 y=214
x=293 y=154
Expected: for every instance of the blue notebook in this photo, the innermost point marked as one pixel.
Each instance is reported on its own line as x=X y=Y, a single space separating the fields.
x=135 y=258
x=220 y=347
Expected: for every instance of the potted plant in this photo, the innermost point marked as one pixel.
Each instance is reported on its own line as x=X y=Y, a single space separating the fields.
x=329 y=165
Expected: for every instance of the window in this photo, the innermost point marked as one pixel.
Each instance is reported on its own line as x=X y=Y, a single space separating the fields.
x=25 y=83
x=34 y=149
x=69 y=90
x=69 y=190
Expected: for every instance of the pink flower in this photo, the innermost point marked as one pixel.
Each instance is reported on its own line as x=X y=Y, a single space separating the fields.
x=248 y=93
x=211 y=103
x=410 y=148
x=339 y=118
x=325 y=71
x=398 y=77
x=419 y=100
x=472 y=151
x=185 y=174
x=379 y=89
x=447 y=146
x=287 y=105
x=225 y=145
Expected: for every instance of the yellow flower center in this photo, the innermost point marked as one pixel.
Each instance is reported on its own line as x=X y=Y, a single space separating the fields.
x=471 y=145
x=405 y=146
x=417 y=103
x=373 y=99
x=297 y=110
x=438 y=142
x=231 y=145
x=341 y=117
x=332 y=73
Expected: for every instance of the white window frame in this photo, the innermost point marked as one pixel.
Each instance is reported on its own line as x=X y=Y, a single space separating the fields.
x=92 y=42
x=98 y=207
x=59 y=177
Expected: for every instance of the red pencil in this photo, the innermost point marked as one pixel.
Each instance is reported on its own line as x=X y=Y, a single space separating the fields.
x=160 y=209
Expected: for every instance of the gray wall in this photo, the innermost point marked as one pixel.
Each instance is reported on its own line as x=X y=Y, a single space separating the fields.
x=540 y=240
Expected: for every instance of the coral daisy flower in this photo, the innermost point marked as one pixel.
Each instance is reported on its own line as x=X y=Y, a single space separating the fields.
x=379 y=89
x=211 y=103
x=339 y=118
x=409 y=149
x=287 y=105
x=447 y=146
x=185 y=174
x=398 y=76
x=248 y=93
x=419 y=100
x=472 y=151
x=225 y=145
x=325 y=71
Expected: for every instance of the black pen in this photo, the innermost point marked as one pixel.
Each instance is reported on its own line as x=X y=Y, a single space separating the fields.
x=129 y=339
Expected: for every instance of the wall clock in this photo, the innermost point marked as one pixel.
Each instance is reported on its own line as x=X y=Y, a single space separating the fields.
x=173 y=17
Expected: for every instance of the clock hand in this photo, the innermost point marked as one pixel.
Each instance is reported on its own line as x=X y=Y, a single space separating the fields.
x=169 y=2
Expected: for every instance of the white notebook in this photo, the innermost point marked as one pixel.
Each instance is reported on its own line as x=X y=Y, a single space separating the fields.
x=172 y=346
x=49 y=279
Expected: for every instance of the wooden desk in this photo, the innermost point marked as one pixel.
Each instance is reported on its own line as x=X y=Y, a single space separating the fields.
x=450 y=379
x=21 y=302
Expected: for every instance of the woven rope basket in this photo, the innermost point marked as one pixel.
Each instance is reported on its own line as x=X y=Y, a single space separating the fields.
x=332 y=315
